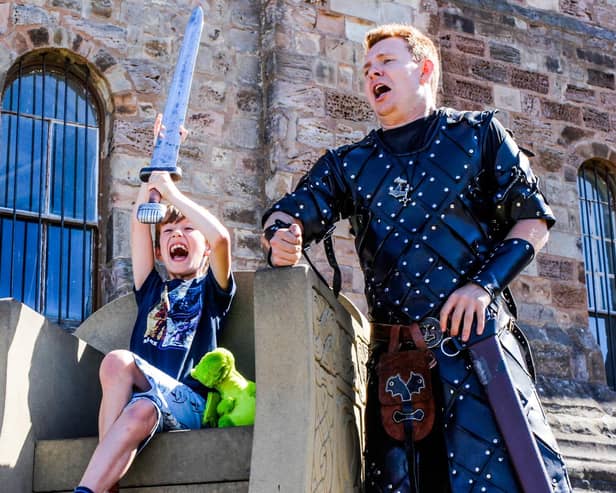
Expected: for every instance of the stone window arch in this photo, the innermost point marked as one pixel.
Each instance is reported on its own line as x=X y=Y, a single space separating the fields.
x=49 y=176
x=597 y=192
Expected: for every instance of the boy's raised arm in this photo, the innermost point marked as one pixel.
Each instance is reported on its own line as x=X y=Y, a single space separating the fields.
x=142 y=254
x=215 y=233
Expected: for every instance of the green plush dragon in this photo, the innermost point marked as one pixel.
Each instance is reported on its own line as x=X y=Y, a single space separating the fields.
x=233 y=401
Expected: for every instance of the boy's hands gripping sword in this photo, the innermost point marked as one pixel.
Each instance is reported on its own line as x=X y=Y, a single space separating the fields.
x=165 y=155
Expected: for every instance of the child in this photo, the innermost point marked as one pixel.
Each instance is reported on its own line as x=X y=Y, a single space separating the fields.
x=149 y=388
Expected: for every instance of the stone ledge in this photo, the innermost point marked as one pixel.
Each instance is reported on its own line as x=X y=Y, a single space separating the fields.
x=208 y=456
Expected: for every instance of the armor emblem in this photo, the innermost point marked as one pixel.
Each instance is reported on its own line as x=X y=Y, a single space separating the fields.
x=397 y=387
x=430 y=329
x=402 y=191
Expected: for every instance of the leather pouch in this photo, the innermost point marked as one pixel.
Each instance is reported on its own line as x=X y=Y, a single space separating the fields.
x=405 y=387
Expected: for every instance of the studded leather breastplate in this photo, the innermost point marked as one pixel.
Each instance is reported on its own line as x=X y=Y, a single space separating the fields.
x=421 y=226
x=424 y=221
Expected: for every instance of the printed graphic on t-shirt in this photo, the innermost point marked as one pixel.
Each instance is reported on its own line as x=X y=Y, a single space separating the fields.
x=173 y=321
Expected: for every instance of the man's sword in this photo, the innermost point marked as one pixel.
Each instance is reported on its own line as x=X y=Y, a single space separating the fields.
x=166 y=150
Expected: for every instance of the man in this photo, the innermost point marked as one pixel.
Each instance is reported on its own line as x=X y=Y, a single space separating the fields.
x=446 y=212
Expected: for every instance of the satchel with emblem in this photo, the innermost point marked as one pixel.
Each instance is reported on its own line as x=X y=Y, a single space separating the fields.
x=405 y=387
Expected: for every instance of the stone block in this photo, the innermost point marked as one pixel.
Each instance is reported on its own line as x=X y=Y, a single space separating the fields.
x=567 y=295
x=580 y=94
x=29 y=14
x=564 y=112
x=505 y=53
x=330 y=23
x=468 y=90
x=507 y=98
x=544 y=4
x=490 y=71
x=596 y=119
x=355 y=31
x=366 y=9
x=5 y=10
x=347 y=107
x=39 y=37
x=314 y=132
x=470 y=45
x=596 y=57
x=559 y=269
x=601 y=79
x=531 y=81
x=455 y=63
x=458 y=23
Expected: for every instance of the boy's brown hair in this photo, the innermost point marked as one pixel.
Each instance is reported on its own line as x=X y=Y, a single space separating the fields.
x=172 y=216
x=420 y=46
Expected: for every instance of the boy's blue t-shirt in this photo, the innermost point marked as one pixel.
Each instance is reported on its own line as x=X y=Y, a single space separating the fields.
x=178 y=322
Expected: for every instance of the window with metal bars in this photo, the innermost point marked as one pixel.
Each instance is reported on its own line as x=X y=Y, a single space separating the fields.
x=597 y=190
x=49 y=153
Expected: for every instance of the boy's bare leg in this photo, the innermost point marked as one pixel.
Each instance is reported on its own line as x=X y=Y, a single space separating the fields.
x=119 y=376
x=116 y=451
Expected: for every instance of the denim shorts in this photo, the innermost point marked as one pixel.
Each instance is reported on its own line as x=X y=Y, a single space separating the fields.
x=178 y=406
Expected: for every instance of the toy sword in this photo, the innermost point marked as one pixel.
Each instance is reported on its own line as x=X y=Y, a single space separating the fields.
x=166 y=150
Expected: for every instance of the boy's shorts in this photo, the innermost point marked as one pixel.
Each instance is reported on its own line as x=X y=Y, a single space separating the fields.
x=178 y=406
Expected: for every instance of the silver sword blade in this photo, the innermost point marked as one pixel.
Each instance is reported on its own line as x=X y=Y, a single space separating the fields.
x=166 y=150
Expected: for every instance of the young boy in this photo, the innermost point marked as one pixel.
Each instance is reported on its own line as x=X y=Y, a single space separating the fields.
x=149 y=388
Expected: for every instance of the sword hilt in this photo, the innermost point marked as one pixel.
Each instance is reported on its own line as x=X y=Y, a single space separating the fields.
x=153 y=212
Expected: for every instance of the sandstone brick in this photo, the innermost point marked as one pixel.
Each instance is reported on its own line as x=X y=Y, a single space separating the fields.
x=355 y=30
x=576 y=8
x=39 y=37
x=596 y=119
x=367 y=9
x=551 y=160
x=544 y=4
x=395 y=12
x=249 y=101
x=296 y=68
x=346 y=75
x=308 y=43
x=567 y=295
x=553 y=65
x=104 y=8
x=596 y=58
x=326 y=73
x=104 y=60
x=314 y=133
x=206 y=123
x=470 y=45
x=244 y=133
x=347 y=107
x=580 y=94
x=5 y=10
x=125 y=104
x=507 y=98
x=608 y=100
x=458 y=23
x=468 y=90
x=493 y=72
x=330 y=23
x=564 y=244
x=571 y=134
x=29 y=14
x=601 y=79
x=532 y=81
x=68 y=4
x=505 y=53
x=564 y=112
x=559 y=269
x=455 y=63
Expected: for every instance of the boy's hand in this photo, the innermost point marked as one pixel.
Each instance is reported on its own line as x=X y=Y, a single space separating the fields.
x=159 y=129
x=162 y=182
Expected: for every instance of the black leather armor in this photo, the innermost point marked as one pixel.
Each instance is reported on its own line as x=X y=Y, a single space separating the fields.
x=425 y=223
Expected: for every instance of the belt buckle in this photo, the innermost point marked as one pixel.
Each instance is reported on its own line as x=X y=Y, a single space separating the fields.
x=431 y=332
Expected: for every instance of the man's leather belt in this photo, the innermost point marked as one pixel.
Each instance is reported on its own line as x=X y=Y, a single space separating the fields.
x=429 y=331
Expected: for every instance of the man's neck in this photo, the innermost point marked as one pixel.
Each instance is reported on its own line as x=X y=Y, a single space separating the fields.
x=428 y=110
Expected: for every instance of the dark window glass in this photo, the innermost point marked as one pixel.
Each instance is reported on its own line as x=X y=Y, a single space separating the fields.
x=49 y=139
x=597 y=188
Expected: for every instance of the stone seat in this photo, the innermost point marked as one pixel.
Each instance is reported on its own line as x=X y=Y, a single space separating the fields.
x=305 y=349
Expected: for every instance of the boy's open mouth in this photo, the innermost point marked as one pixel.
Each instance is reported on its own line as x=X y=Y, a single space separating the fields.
x=178 y=252
x=380 y=89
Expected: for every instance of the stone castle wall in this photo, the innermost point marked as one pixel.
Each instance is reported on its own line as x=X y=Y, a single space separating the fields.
x=279 y=81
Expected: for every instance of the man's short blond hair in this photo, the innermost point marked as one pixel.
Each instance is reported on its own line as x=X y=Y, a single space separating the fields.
x=420 y=46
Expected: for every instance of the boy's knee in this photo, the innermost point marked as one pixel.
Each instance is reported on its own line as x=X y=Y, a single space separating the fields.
x=115 y=364
x=141 y=416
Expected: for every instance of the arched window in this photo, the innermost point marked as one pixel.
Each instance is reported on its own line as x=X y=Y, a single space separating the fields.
x=597 y=189
x=49 y=141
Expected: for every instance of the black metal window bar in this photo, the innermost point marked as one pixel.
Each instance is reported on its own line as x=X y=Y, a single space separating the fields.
x=597 y=187
x=49 y=148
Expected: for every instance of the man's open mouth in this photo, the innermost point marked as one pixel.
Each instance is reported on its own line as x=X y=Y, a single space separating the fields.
x=178 y=252
x=380 y=89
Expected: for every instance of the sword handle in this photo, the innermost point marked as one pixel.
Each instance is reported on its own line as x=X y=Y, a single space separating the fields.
x=153 y=212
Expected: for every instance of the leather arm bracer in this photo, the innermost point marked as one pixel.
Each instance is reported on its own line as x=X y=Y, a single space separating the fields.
x=507 y=260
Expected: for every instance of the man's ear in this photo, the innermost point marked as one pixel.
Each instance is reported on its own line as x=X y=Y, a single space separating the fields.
x=427 y=68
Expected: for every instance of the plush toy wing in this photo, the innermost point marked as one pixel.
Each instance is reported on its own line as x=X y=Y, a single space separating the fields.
x=210 y=415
